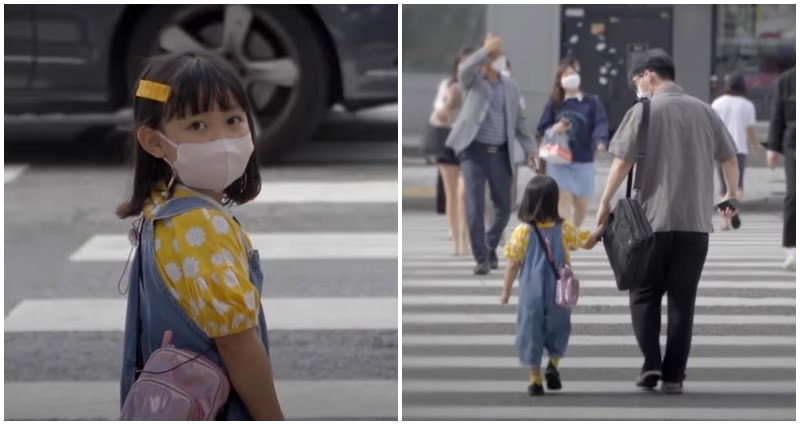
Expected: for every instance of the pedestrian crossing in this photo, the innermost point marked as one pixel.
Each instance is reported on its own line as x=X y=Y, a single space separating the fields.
x=459 y=358
x=12 y=171
x=333 y=343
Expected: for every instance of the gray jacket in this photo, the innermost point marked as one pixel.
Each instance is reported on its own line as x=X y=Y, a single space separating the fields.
x=477 y=97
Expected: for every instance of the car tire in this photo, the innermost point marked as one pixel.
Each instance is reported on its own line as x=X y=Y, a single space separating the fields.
x=290 y=117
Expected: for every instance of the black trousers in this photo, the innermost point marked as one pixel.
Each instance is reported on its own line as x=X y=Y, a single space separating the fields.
x=675 y=271
x=789 y=234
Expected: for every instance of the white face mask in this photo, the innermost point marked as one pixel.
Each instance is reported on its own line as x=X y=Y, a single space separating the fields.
x=571 y=82
x=641 y=93
x=500 y=64
x=213 y=165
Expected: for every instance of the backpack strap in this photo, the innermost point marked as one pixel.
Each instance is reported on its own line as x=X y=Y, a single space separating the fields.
x=547 y=250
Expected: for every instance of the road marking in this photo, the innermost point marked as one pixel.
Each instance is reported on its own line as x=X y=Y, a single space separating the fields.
x=13 y=171
x=103 y=314
x=445 y=362
x=599 y=388
x=592 y=319
x=596 y=263
x=778 y=272
x=591 y=300
x=472 y=282
x=595 y=413
x=271 y=246
x=376 y=191
x=594 y=340
x=312 y=399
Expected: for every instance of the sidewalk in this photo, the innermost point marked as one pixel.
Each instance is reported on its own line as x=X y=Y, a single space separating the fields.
x=764 y=188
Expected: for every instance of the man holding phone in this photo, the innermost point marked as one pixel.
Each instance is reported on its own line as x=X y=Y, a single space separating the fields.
x=685 y=139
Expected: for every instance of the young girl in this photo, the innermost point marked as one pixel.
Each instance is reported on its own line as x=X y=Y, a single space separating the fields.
x=540 y=322
x=201 y=279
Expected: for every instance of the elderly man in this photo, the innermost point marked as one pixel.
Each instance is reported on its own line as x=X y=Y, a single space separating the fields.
x=490 y=123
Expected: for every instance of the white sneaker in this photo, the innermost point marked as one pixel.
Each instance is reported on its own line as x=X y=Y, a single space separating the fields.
x=789 y=264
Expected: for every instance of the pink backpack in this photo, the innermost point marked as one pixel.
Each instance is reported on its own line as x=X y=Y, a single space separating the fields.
x=567 y=285
x=176 y=385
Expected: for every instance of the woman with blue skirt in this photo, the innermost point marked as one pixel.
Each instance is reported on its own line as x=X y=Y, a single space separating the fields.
x=582 y=117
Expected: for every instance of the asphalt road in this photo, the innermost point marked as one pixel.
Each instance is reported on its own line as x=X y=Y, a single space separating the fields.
x=460 y=361
x=334 y=344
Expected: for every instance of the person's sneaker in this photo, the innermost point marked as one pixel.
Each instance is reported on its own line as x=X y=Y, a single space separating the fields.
x=482 y=268
x=649 y=380
x=535 y=390
x=672 y=387
x=552 y=377
x=493 y=262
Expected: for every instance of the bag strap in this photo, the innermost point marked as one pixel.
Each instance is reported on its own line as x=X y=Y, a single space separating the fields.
x=136 y=294
x=641 y=139
x=546 y=250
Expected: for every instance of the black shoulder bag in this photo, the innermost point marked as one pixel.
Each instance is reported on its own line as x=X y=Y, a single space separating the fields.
x=628 y=237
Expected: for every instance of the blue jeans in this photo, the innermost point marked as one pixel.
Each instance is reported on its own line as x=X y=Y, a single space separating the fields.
x=481 y=163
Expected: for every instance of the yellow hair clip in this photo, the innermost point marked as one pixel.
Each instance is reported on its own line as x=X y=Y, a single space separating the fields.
x=153 y=91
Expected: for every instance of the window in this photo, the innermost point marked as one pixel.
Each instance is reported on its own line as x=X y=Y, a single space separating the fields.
x=434 y=34
x=758 y=41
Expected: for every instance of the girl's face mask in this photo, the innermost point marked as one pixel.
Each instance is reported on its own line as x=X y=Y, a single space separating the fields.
x=212 y=165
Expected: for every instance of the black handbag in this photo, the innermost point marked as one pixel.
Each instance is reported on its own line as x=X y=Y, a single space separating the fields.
x=628 y=237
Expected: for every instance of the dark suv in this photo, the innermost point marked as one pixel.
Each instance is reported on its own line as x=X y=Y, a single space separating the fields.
x=73 y=67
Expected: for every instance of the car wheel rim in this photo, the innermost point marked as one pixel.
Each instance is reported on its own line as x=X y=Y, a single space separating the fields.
x=260 y=52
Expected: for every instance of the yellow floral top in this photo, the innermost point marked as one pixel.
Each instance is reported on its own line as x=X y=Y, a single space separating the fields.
x=202 y=258
x=517 y=245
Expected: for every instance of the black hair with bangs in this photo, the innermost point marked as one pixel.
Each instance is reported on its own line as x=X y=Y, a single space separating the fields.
x=198 y=81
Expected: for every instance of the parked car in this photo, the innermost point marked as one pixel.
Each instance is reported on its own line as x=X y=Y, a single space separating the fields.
x=73 y=67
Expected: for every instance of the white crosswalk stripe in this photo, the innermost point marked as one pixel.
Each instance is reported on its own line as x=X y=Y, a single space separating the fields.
x=459 y=357
x=13 y=171
x=337 y=327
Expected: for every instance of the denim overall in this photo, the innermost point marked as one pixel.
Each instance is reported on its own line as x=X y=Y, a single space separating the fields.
x=540 y=322
x=158 y=311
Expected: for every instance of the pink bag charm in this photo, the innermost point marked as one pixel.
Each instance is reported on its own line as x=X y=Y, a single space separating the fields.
x=567 y=285
x=177 y=384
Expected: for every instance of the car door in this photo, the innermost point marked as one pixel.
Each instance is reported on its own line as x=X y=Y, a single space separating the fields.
x=19 y=57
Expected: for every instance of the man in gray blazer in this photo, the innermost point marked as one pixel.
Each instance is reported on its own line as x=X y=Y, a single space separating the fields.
x=487 y=137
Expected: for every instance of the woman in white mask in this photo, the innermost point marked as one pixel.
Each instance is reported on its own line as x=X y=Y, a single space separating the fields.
x=582 y=118
x=195 y=272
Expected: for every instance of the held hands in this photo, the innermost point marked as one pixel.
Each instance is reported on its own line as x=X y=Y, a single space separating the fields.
x=594 y=238
x=493 y=44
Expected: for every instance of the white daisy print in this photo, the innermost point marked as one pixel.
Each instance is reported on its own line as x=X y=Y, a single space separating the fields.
x=195 y=236
x=158 y=244
x=175 y=245
x=230 y=279
x=250 y=300
x=174 y=272
x=224 y=330
x=228 y=257
x=206 y=214
x=220 y=307
x=220 y=224
x=212 y=325
x=174 y=293
x=191 y=267
x=238 y=320
x=217 y=259
x=202 y=284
